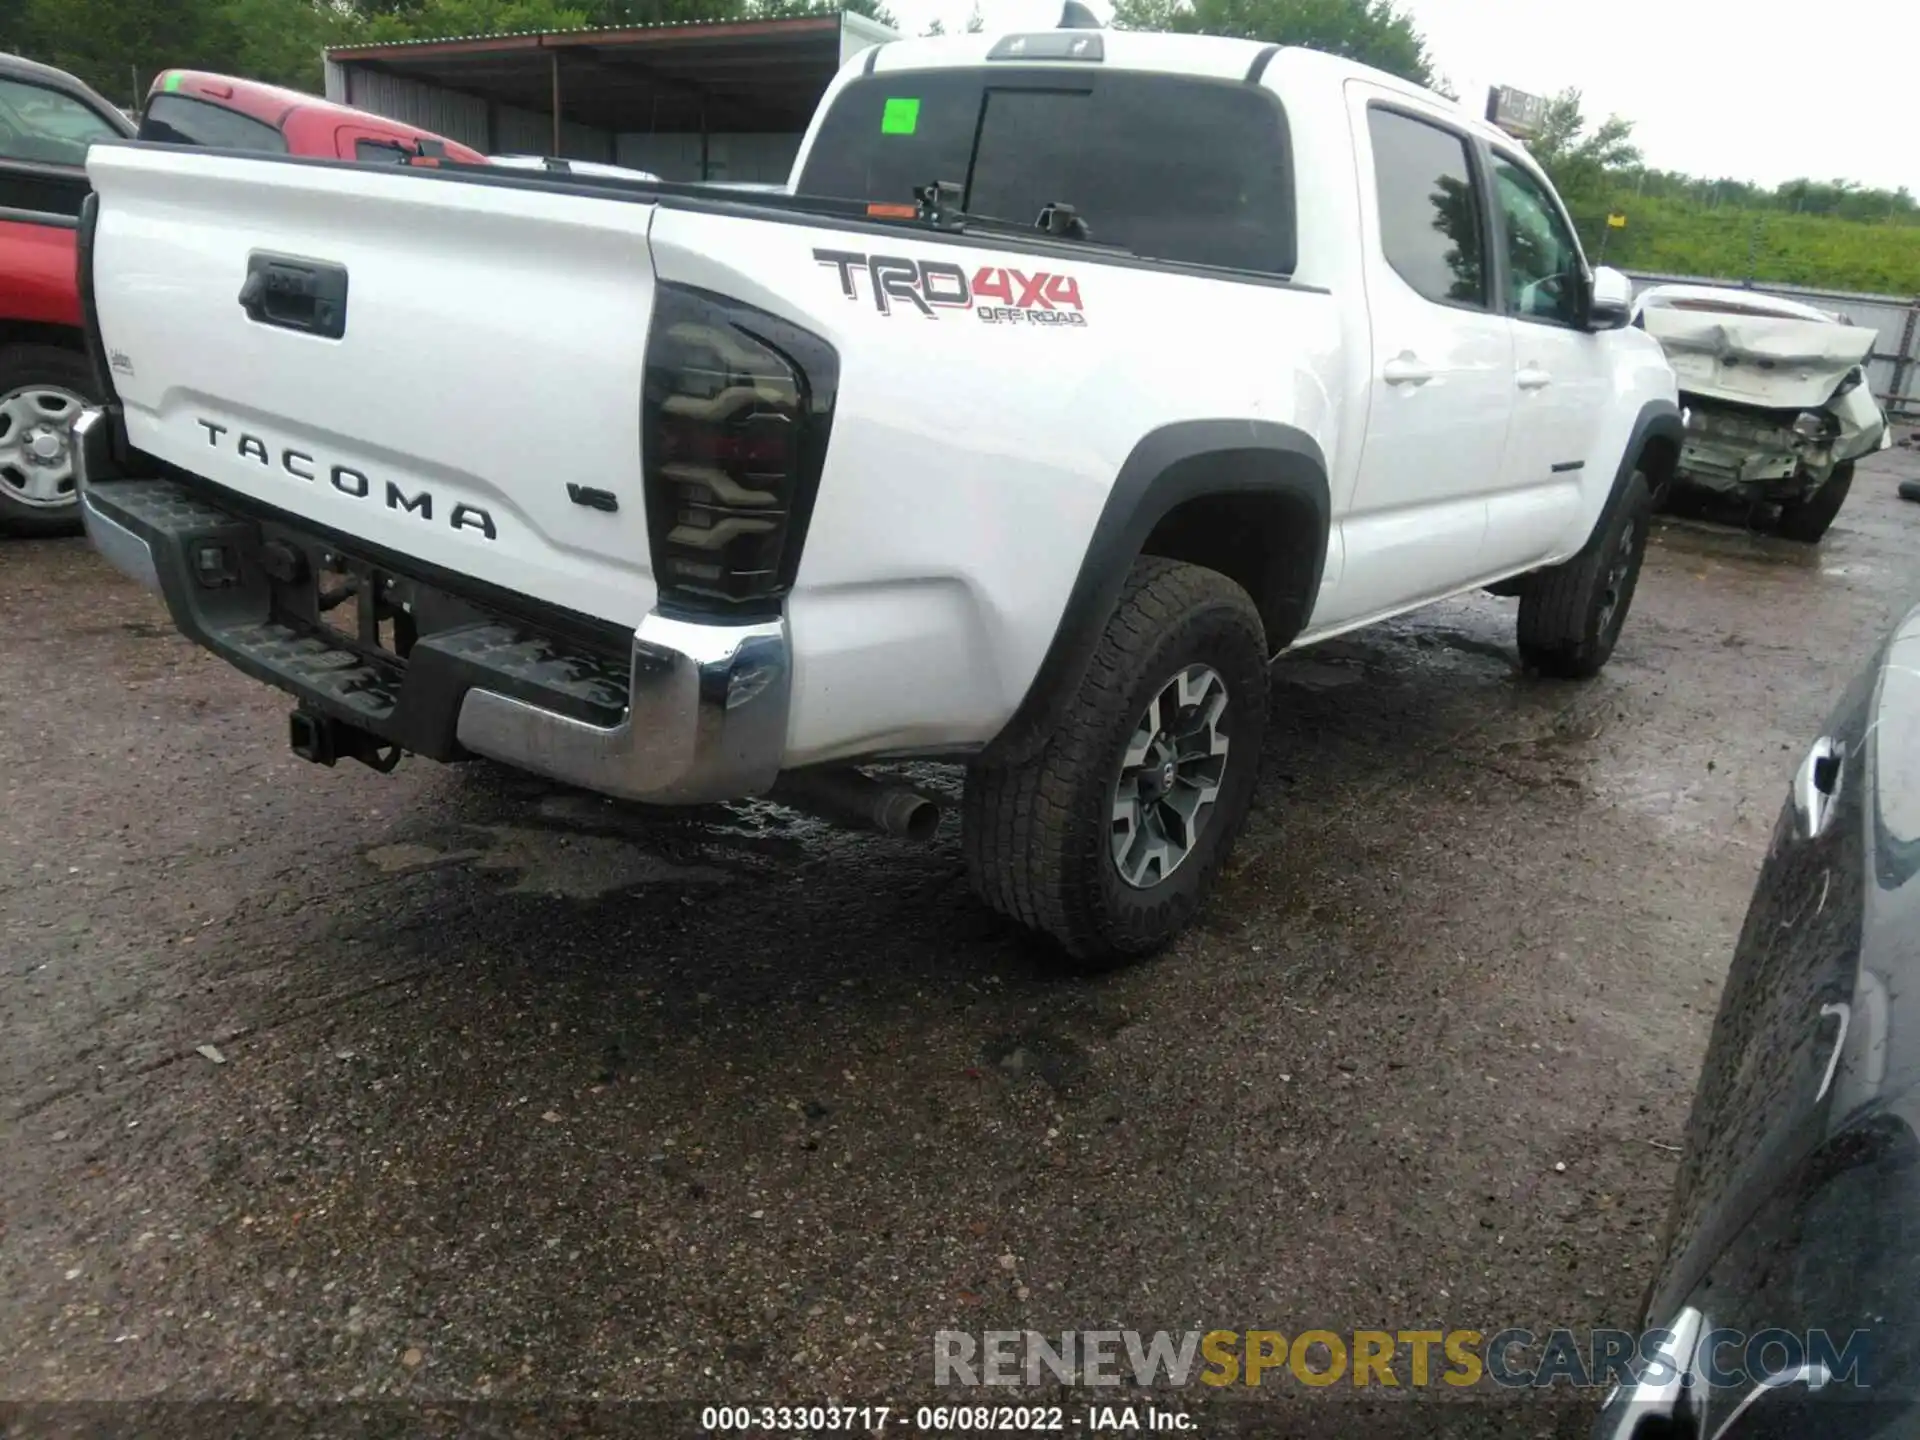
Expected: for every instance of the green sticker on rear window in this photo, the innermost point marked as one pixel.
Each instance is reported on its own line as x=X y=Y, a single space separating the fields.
x=901 y=117
x=173 y=82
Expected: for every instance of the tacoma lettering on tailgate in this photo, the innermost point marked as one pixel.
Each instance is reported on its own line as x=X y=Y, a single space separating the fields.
x=302 y=465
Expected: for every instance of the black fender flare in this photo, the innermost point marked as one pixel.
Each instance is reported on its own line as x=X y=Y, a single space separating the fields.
x=1658 y=420
x=1184 y=461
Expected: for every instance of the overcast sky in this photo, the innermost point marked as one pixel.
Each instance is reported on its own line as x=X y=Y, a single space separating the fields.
x=1714 y=87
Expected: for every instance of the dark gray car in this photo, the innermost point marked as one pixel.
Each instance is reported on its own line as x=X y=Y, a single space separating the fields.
x=1791 y=1277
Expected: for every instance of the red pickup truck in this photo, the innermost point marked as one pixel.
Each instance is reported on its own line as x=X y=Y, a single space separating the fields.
x=47 y=120
x=185 y=107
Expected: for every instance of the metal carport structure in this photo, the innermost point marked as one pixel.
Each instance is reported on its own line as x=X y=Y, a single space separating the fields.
x=718 y=100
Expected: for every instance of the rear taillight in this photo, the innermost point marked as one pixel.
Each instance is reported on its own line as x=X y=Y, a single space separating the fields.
x=734 y=422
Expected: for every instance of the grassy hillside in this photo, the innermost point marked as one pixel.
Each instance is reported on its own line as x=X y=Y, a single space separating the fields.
x=1684 y=237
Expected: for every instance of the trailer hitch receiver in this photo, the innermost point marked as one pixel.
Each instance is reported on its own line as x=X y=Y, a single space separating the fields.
x=325 y=740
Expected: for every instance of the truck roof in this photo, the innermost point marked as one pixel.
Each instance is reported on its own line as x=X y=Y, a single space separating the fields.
x=18 y=67
x=1213 y=57
x=271 y=104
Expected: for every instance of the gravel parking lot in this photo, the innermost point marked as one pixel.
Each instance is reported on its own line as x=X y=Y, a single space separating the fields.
x=520 y=1093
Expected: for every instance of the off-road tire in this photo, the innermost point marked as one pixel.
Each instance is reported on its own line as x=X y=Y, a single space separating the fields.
x=1571 y=615
x=1038 y=835
x=1806 y=521
x=51 y=365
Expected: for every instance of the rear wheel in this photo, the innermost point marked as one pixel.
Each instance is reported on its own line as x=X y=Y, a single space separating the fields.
x=1571 y=615
x=43 y=390
x=1109 y=838
x=1808 y=520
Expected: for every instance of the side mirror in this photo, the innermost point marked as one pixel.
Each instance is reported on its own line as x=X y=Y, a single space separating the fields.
x=1609 y=300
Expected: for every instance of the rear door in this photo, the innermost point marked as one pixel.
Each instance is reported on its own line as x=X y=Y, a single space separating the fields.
x=1441 y=392
x=44 y=135
x=1562 y=375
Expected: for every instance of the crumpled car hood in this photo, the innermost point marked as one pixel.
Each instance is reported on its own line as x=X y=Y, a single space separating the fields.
x=1758 y=360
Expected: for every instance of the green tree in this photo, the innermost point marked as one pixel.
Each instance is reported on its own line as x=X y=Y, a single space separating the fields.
x=1580 y=160
x=1845 y=198
x=108 y=43
x=1373 y=32
x=614 y=13
x=872 y=9
x=118 y=46
x=975 y=24
x=427 y=19
x=280 y=40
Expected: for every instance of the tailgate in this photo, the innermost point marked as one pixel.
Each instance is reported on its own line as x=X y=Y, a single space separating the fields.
x=490 y=352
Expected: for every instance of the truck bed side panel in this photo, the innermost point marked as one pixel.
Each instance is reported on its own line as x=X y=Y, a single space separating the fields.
x=972 y=452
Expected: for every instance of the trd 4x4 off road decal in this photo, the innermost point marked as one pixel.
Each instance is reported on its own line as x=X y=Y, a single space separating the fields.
x=998 y=295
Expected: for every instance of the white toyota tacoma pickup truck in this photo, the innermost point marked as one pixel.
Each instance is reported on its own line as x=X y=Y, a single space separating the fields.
x=1079 y=375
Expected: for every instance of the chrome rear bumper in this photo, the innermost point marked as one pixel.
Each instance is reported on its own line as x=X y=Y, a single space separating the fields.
x=703 y=716
x=706 y=719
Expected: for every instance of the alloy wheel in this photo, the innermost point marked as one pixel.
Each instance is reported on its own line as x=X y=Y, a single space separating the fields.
x=1169 y=777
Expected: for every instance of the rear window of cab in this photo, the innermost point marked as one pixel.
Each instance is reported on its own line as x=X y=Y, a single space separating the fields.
x=1186 y=170
x=179 y=120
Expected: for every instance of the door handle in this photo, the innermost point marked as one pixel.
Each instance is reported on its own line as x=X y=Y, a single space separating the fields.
x=1532 y=377
x=1656 y=1400
x=1816 y=786
x=1406 y=369
x=296 y=294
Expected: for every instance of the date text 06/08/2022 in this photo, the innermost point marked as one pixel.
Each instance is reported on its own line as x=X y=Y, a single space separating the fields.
x=942 y=1419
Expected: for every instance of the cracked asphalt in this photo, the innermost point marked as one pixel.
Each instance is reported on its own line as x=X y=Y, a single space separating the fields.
x=453 y=1084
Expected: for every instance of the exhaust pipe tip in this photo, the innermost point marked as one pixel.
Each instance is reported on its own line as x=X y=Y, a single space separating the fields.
x=906 y=814
x=850 y=797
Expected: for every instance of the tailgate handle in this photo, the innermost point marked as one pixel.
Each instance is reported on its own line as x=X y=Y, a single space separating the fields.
x=305 y=295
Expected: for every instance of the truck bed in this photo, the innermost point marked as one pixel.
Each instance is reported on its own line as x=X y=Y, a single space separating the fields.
x=480 y=411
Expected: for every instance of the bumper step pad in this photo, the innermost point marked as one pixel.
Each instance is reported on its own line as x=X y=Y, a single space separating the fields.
x=313 y=662
x=413 y=703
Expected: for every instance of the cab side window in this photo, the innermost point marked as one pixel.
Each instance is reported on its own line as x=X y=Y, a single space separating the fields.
x=44 y=127
x=1544 y=273
x=381 y=152
x=1430 y=218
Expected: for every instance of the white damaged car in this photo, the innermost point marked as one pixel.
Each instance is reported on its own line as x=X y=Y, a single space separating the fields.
x=1777 y=402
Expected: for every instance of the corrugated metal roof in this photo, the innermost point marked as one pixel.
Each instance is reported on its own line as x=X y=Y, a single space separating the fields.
x=757 y=24
x=748 y=76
